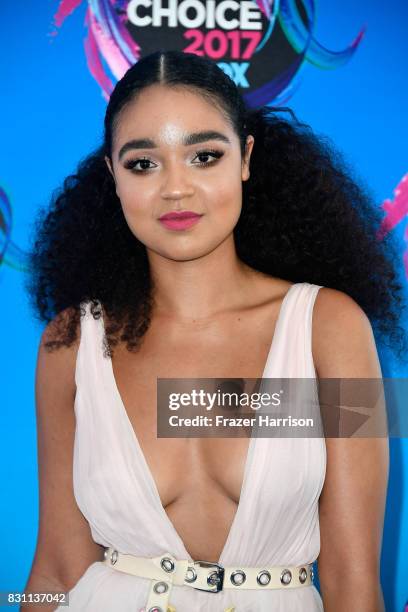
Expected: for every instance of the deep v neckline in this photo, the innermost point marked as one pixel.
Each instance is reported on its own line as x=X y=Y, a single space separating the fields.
x=138 y=449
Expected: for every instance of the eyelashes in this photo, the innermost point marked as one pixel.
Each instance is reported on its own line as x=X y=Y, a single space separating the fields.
x=131 y=164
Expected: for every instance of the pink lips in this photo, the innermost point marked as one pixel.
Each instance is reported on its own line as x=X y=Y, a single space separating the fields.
x=180 y=220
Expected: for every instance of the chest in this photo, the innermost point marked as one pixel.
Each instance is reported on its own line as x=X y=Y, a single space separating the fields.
x=189 y=465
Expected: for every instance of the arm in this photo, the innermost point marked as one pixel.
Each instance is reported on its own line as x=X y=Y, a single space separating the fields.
x=352 y=502
x=65 y=547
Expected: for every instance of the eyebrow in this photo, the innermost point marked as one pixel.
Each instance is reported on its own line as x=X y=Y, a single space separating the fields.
x=190 y=139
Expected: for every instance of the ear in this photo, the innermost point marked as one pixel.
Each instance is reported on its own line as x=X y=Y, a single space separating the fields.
x=109 y=164
x=110 y=168
x=245 y=161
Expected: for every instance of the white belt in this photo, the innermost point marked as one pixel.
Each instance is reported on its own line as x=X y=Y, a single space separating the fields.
x=165 y=570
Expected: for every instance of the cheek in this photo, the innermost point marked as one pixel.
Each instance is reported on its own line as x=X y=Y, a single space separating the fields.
x=136 y=196
x=138 y=204
x=138 y=209
x=223 y=198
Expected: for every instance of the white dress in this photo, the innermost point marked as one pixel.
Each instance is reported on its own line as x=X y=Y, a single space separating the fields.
x=277 y=518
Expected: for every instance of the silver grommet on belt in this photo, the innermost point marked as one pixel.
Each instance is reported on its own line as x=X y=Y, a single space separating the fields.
x=114 y=557
x=311 y=572
x=263 y=578
x=155 y=609
x=286 y=576
x=238 y=577
x=167 y=564
x=105 y=553
x=302 y=575
x=191 y=575
x=161 y=587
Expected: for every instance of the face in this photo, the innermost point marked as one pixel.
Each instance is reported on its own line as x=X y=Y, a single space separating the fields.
x=174 y=152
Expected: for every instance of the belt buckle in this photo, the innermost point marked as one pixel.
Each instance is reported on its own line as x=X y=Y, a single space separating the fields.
x=215 y=579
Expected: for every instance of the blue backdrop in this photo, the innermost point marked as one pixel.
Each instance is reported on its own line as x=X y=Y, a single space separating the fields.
x=52 y=114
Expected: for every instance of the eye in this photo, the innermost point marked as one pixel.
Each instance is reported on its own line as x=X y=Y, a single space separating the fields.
x=216 y=154
x=130 y=164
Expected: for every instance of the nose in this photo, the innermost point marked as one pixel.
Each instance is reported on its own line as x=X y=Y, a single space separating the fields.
x=176 y=183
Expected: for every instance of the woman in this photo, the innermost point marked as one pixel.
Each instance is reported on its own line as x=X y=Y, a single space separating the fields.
x=277 y=232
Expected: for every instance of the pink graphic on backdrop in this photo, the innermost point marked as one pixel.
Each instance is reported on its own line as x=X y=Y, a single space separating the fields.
x=94 y=62
x=395 y=211
x=65 y=8
x=107 y=40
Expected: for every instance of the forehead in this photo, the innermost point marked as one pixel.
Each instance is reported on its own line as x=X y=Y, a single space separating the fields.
x=167 y=113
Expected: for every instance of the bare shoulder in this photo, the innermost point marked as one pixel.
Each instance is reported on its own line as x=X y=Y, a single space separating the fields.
x=56 y=360
x=56 y=363
x=343 y=342
x=333 y=309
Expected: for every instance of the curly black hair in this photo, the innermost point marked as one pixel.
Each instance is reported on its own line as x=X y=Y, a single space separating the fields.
x=305 y=217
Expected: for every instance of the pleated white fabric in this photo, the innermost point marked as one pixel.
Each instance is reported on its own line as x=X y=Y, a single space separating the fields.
x=277 y=519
